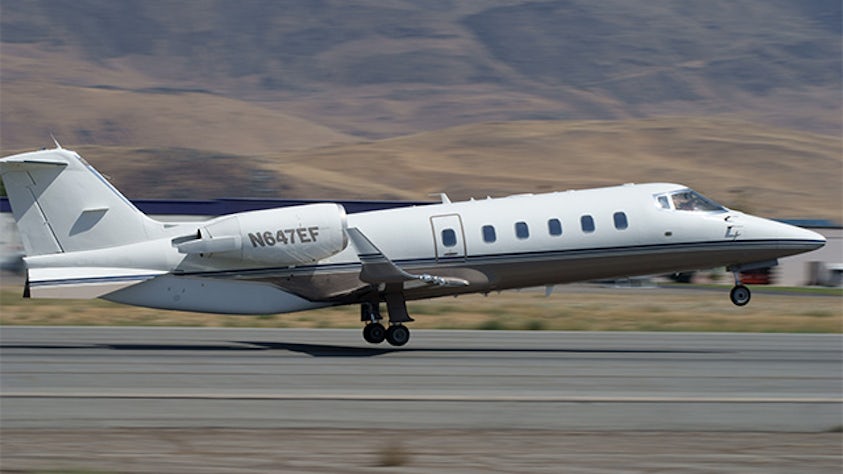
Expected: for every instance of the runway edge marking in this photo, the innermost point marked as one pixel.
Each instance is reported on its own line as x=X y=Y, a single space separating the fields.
x=412 y=398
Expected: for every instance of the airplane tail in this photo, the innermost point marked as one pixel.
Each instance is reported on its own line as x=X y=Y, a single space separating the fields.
x=62 y=204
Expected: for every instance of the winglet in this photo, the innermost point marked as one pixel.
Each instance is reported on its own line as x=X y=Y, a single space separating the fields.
x=378 y=268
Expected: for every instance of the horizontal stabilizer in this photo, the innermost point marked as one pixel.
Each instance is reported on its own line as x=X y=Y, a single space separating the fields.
x=83 y=282
x=378 y=268
x=15 y=163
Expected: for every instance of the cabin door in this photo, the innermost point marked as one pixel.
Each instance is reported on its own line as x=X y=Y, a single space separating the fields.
x=448 y=237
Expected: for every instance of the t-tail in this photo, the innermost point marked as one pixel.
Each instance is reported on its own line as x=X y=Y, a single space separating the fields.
x=63 y=206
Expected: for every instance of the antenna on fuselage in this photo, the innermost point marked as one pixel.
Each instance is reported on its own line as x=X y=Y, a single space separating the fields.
x=58 y=146
x=443 y=197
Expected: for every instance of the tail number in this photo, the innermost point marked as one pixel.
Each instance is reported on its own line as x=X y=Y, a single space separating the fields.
x=301 y=235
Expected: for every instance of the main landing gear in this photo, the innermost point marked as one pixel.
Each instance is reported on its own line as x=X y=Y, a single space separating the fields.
x=374 y=332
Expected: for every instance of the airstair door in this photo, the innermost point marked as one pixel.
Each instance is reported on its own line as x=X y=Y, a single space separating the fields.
x=448 y=237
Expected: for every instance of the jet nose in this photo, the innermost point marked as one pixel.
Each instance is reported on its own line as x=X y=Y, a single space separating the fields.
x=818 y=240
x=787 y=238
x=798 y=238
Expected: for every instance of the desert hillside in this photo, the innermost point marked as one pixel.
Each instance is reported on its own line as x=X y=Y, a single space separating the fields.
x=266 y=75
x=772 y=172
x=370 y=99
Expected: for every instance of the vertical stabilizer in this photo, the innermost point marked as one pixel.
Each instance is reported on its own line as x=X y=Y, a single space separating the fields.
x=62 y=204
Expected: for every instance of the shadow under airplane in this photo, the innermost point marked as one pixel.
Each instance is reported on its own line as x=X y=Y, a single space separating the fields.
x=328 y=350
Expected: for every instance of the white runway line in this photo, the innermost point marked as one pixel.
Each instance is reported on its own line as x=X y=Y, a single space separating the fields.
x=418 y=398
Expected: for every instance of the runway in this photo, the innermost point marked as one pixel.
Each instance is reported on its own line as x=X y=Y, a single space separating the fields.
x=95 y=378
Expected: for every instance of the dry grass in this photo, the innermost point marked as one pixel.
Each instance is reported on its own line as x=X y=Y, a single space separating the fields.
x=455 y=451
x=571 y=308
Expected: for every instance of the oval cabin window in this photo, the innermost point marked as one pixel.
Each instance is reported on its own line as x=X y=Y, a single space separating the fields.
x=587 y=224
x=621 y=222
x=554 y=227
x=489 y=235
x=449 y=238
x=521 y=230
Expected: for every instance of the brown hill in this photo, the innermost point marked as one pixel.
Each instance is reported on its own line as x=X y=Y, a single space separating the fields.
x=380 y=69
x=101 y=115
x=771 y=172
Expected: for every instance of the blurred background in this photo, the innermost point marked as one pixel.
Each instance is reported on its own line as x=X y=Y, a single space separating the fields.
x=399 y=99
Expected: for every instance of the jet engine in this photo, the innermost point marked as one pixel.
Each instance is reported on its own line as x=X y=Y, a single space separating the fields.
x=285 y=236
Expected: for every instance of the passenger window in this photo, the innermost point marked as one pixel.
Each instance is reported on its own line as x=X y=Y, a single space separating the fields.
x=554 y=227
x=621 y=222
x=587 y=224
x=521 y=230
x=489 y=235
x=449 y=237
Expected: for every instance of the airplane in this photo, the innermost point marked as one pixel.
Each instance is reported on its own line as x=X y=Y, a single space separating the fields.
x=84 y=239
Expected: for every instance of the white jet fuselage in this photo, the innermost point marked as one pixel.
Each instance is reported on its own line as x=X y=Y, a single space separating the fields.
x=493 y=244
x=83 y=239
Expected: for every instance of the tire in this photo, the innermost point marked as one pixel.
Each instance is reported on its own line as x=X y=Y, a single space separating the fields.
x=397 y=335
x=374 y=333
x=740 y=295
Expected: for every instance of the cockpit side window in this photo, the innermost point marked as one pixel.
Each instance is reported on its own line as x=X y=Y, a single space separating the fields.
x=663 y=202
x=688 y=200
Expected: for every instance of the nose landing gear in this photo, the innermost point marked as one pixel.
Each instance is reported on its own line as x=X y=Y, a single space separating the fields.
x=740 y=294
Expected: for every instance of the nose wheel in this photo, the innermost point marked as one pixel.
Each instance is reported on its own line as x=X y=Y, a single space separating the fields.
x=740 y=295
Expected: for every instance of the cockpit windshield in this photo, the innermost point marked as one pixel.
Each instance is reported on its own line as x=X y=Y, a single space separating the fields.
x=687 y=200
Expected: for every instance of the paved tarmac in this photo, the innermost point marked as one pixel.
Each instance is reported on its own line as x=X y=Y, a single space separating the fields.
x=183 y=400
x=54 y=377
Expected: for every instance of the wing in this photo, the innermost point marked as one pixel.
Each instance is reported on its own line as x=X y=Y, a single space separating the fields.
x=377 y=268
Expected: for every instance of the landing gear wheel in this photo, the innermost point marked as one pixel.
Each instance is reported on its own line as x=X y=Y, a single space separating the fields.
x=374 y=333
x=397 y=335
x=740 y=295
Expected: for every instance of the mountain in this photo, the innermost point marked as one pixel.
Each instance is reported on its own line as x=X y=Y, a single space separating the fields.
x=396 y=99
x=374 y=69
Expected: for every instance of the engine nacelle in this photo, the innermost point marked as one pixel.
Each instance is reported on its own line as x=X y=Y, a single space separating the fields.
x=286 y=236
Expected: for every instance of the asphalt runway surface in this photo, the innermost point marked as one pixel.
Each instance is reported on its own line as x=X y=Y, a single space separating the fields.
x=543 y=398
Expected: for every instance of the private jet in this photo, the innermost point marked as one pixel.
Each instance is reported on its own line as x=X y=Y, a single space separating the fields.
x=84 y=239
